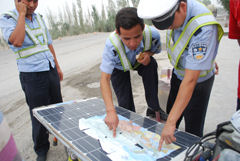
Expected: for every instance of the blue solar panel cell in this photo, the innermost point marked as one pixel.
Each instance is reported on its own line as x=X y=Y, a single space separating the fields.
x=100 y=156
x=79 y=146
x=59 y=126
x=91 y=157
x=164 y=159
x=156 y=128
x=93 y=142
x=131 y=115
x=186 y=139
x=86 y=145
x=144 y=122
x=121 y=111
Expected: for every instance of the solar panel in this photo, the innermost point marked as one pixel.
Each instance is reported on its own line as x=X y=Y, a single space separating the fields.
x=62 y=121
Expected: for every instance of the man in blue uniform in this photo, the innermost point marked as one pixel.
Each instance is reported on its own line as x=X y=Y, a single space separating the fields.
x=131 y=38
x=192 y=45
x=40 y=75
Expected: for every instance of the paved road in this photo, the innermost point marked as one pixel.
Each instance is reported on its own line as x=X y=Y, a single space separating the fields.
x=79 y=57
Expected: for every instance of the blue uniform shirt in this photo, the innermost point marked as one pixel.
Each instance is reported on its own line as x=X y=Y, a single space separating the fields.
x=35 y=63
x=111 y=60
x=205 y=39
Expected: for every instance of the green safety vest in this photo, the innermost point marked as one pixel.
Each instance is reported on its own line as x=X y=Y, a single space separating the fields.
x=38 y=46
x=119 y=46
x=175 y=51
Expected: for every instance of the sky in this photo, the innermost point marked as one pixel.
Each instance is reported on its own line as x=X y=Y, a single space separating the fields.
x=55 y=5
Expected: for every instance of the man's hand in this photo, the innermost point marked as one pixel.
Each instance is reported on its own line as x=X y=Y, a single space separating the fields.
x=60 y=73
x=144 y=58
x=216 y=68
x=21 y=7
x=167 y=135
x=111 y=120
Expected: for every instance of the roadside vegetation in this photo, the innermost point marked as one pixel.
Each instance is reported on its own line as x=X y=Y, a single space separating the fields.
x=74 y=22
x=3 y=44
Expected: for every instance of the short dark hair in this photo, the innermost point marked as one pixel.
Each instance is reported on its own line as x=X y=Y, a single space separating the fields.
x=127 y=18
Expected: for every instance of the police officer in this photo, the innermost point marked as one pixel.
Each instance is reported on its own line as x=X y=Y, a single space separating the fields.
x=119 y=56
x=192 y=45
x=40 y=75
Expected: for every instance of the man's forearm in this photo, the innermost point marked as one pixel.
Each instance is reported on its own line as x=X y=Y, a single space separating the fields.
x=54 y=55
x=184 y=95
x=106 y=92
x=18 y=35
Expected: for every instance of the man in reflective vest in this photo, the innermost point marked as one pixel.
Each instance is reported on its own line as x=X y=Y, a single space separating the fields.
x=40 y=75
x=192 y=45
x=119 y=56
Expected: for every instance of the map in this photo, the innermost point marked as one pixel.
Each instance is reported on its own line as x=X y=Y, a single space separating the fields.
x=132 y=142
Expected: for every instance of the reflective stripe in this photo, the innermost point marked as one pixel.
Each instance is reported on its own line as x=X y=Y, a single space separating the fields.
x=33 y=34
x=175 y=51
x=117 y=43
x=31 y=51
x=203 y=73
x=147 y=38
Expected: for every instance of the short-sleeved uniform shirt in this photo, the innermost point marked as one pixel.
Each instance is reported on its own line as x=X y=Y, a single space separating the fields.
x=111 y=60
x=203 y=46
x=35 y=63
x=234 y=19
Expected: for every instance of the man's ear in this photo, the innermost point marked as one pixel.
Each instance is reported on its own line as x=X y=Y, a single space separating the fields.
x=183 y=6
x=143 y=27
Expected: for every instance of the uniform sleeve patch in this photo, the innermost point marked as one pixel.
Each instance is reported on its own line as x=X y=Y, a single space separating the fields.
x=199 y=50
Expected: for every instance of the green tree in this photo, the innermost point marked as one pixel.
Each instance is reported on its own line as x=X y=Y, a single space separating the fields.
x=75 y=16
x=111 y=13
x=89 y=22
x=2 y=42
x=135 y=3
x=80 y=15
x=96 y=19
x=206 y=2
x=103 y=21
x=68 y=14
x=122 y=3
x=54 y=26
x=75 y=29
x=225 y=4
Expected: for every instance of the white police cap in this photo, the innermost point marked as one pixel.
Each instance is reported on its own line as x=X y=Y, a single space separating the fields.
x=161 y=12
